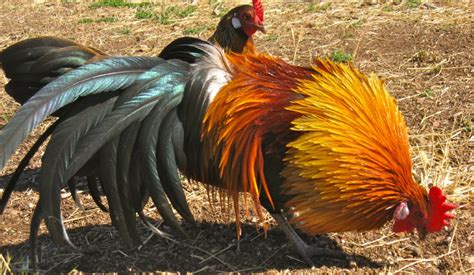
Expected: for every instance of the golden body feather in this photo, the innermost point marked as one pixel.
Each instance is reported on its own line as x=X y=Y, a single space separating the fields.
x=347 y=162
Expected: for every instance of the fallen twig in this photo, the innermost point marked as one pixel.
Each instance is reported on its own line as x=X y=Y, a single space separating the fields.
x=417 y=261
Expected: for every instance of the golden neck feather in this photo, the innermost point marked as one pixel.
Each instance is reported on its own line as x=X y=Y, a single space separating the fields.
x=351 y=165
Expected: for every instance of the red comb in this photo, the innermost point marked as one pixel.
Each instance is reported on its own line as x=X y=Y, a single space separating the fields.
x=257 y=5
x=438 y=208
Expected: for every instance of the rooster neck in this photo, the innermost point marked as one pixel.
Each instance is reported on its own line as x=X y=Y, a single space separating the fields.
x=229 y=38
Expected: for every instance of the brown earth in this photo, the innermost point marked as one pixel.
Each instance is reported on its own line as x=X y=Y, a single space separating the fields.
x=423 y=51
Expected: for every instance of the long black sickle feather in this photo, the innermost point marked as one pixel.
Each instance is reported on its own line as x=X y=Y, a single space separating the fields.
x=63 y=140
x=113 y=124
x=168 y=168
x=7 y=192
x=148 y=138
x=121 y=211
x=92 y=184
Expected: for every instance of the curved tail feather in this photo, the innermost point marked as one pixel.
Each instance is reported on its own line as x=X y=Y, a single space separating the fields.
x=32 y=63
x=105 y=76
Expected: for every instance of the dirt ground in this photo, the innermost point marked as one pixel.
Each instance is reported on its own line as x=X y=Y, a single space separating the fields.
x=425 y=53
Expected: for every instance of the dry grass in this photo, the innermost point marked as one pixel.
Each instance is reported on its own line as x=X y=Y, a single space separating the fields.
x=423 y=52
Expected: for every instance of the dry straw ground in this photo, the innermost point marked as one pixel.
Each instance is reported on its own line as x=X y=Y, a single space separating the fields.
x=423 y=50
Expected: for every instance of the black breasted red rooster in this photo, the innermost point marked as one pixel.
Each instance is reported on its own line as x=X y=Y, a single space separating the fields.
x=323 y=148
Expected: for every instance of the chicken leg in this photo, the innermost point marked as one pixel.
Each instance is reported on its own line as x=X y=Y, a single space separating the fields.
x=305 y=251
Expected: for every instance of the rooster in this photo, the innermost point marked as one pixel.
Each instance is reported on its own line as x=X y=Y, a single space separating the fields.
x=239 y=123
x=32 y=63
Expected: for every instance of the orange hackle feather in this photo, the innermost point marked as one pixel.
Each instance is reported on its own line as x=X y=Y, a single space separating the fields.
x=347 y=163
x=249 y=107
x=249 y=47
x=351 y=164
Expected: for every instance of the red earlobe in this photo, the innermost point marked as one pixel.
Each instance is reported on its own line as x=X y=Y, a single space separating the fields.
x=438 y=208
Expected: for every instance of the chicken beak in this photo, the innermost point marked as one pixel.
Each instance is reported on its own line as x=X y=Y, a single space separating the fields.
x=422 y=233
x=261 y=28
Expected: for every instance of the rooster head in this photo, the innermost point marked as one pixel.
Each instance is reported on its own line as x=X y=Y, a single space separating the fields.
x=248 y=18
x=409 y=216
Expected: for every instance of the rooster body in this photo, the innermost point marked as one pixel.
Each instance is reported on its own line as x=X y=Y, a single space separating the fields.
x=324 y=146
x=281 y=133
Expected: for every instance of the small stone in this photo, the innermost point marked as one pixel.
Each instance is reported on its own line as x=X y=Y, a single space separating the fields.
x=415 y=251
x=352 y=264
x=470 y=260
x=390 y=260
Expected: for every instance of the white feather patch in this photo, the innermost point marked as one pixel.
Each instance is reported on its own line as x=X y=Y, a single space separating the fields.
x=214 y=68
x=236 y=23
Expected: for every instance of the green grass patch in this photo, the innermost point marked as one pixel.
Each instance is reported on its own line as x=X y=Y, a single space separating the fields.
x=167 y=15
x=319 y=7
x=109 y=19
x=467 y=125
x=182 y=12
x=195 y=30
x=118 y=4
x=387 y=8
x=124 y=31
x=340 y=56
x=427 y=93
x=145 y=14
x=412 y=4
x=86 y=21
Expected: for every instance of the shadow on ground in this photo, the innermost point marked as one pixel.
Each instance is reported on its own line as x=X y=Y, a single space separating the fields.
x=210 y=247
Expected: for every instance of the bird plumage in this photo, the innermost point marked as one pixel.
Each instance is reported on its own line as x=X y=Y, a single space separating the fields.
x=325 y=144
x=345 y=143
x=33 y=63
x=352 y=155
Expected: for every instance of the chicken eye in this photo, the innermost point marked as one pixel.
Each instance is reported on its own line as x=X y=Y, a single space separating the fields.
x=246 y=17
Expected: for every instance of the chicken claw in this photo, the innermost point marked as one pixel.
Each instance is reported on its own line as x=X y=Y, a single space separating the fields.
x=305 y=251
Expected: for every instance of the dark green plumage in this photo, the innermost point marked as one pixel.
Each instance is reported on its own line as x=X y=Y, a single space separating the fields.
x=92 y=184
x=95 y=135
x=32 y=63
x=119 y=125
x=104 y=76
x=56 y=157
x=167 y=163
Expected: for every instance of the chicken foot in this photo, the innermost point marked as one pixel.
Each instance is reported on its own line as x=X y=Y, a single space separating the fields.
x=304 y=250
